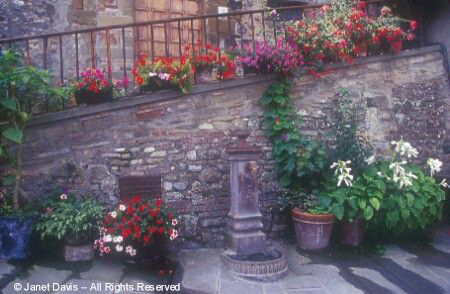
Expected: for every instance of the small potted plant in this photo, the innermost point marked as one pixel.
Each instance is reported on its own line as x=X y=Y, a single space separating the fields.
x=94 y=87
x=353 y=201
x=226 y=68
x=313 y=223
x=138 y=228
x=75 y=221
x=204 y=62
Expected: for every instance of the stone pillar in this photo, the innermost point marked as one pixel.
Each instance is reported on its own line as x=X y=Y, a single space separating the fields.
x=245 y=234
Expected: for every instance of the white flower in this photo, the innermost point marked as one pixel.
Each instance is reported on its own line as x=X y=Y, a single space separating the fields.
x=122 y=207
x=152 y=74
x=174 y=222
x=444 y=183
x=435 y=165
x=343 y=172
x=102 y=230
x=405 y=149
x=63 y=197
x=113 y=214
x=130 y=250
x=119 y=248
x=379 y=174
x=173 y=235
x=107 y=238
x=370 y=160
x=397 y=168
x=117 y=239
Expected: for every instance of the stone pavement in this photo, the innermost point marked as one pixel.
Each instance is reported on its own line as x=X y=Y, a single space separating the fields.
x=403 y=268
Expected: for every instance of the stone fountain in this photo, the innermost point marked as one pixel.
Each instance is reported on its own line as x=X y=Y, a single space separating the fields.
x=247 y=254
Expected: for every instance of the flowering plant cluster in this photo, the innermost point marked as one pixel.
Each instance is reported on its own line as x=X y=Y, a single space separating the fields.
x=66 y=217
x=93 y=80
x=135 y=224
x=280 y=58
x=210 y=58
x=395 y=194
x=164 y=73
x=344 y=31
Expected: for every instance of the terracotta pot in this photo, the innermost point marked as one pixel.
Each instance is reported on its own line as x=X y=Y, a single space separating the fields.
x=312 y=231
x=352 y=233
x=204 y=74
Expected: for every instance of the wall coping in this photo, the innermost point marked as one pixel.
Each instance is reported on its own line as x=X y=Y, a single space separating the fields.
x=133 y=101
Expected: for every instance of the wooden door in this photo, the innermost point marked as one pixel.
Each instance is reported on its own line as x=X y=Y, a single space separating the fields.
x=166 y=37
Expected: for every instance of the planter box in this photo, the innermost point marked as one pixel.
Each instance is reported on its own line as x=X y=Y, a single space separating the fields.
x=78 y=253
x=84 y=96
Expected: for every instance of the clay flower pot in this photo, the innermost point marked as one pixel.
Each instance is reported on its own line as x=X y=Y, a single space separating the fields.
x=312 y=231
x=352 y=233
x=204 y=74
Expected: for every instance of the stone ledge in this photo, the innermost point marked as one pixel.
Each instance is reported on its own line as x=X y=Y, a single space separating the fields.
x=133 y=101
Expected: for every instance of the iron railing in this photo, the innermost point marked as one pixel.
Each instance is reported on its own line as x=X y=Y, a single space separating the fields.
x=61 y=52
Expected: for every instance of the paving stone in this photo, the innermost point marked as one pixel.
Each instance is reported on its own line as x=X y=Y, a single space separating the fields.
x=145 y=278
x=329 y=276
x=6 y=268
x=375 y=281
x=233 y=287
x=298 y=282
x=295 y=260
x=272 y=288
x=307 y=291
x=201 y=269
x=39 y=275
x=103 y=270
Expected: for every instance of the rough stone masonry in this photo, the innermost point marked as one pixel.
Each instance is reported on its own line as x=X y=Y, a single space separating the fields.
x=183 y=137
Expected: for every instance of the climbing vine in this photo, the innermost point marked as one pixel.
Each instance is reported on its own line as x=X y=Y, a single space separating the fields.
x=299 y=161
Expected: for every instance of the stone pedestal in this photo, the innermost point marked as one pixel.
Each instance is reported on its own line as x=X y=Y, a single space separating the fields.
x=245 y=234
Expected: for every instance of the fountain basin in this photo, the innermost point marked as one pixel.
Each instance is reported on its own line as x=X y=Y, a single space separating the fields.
x=268 y=266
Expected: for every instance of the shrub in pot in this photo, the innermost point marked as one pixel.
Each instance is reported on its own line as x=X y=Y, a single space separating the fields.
x=140 y=229
x=353 y=201
x=23 y=92
x=75 y=221
x=313 y=223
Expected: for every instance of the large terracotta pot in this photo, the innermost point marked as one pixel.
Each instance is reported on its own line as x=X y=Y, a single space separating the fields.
x=312 y=231
x=352 y=233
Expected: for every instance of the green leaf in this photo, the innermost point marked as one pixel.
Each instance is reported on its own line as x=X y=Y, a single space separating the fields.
x=368 y=213
x=280 y=99
x=285 y=180
x=362 y=203
x=266 y=99
x=381 y=186
x=375 y=203
x=405 y=214
x=339 y=211
x=9 y=103
x=13 y=133
x=409 y=199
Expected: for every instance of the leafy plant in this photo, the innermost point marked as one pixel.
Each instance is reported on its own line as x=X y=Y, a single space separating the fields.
x=23 y=91
x=164 y=73
x=67 y=218
x=299 y=161
x=347 y=115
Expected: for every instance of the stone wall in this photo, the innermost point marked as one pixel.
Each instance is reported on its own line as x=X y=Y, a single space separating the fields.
x=183 y=137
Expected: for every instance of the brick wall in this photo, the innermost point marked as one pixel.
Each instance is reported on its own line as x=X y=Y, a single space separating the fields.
x=184 y=137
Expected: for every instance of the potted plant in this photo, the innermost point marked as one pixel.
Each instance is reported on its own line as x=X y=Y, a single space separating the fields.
x=75 y=221
x=138 y=228
x=94 y=87
x=24 y=90
x=353 y=201
x=313 y=223
x=204 y=62
x=164 y=74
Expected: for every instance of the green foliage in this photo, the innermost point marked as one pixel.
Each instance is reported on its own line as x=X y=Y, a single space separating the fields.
x=70 y=219
x=299 y=161
x=23 y=91
x=362 y=199
x=406 y=209
x=346 y=119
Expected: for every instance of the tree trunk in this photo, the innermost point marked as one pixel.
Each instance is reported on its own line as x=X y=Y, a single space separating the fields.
x=18 y=178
